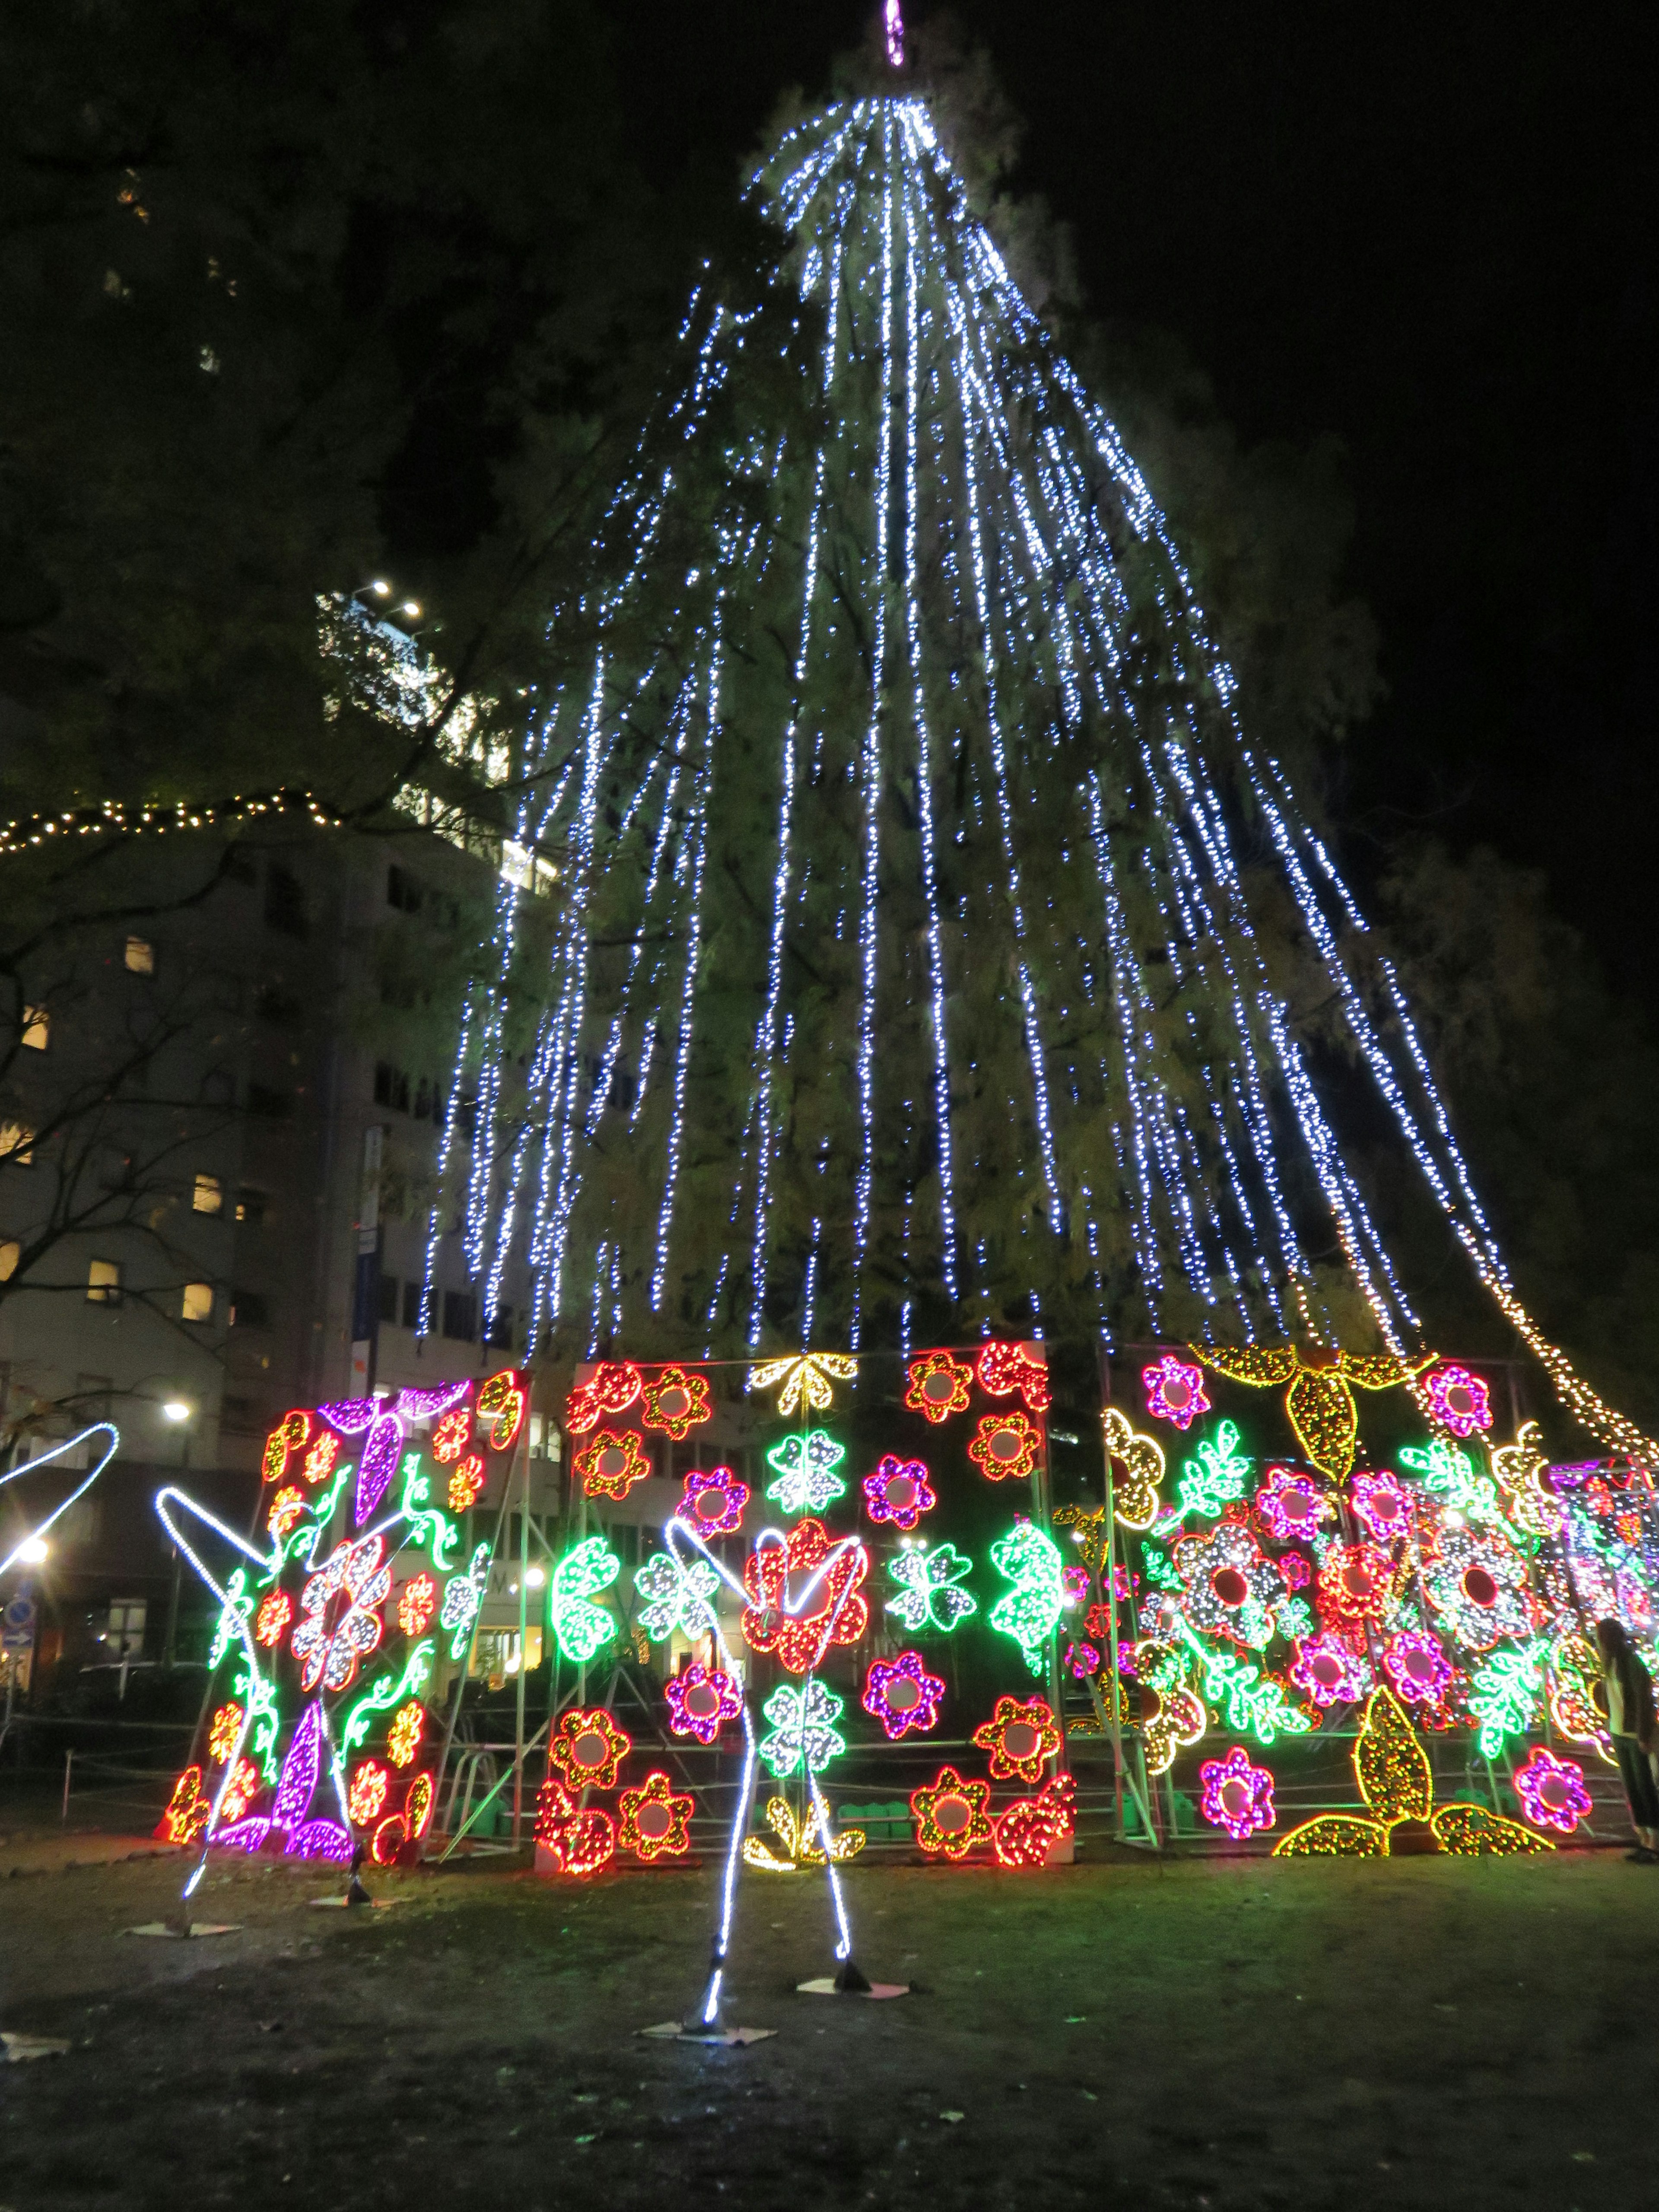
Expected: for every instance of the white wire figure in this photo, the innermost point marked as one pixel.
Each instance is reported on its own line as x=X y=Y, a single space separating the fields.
x=26 y=1547
x=33 y=1466
x=796 y=1605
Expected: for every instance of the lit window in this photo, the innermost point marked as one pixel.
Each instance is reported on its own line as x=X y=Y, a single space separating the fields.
x=141 y=955
x=198 y=1302
x=10 y=1253
x=104 y=1283
x=36 y=1028
x=208 y=1196
x=16 y=1145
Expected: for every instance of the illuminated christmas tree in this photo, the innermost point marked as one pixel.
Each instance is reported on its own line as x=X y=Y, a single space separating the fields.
x=928 y=923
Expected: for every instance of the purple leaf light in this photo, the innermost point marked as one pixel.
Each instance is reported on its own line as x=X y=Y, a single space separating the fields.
x=421 y=1404
x=378 y=1465
x=297 y=1780
x=350 y=1416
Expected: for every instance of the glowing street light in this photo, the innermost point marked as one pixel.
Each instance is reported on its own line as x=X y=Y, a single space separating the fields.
x=35 y=1553
x=176 y=1410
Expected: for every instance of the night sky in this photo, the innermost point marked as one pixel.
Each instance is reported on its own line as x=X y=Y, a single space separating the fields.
x=1426 y=230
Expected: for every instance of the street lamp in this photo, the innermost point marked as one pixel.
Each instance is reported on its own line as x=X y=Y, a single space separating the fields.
x=35 y=1553
x=177 y=1412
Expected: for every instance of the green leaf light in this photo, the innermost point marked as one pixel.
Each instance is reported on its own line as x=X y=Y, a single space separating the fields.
x=581 y=1628
x=1029 y=1613
x=928 y=1596
x=806 y=1468
x=804 y=1737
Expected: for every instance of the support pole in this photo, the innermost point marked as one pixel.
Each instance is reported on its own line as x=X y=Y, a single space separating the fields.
x=523 y=1635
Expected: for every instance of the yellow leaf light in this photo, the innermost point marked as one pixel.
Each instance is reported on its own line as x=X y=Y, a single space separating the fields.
x=807 y=1379
x=1319 y=1402
x=1394 y=1779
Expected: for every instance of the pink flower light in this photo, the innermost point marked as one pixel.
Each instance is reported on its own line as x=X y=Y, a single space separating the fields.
x=1460 y=1400
x=1237 y=1796
x=1291 y=1506
x=1552 y=1791
x=1175 y=1391
x=1383 y=1505
x=713 y=1501
x=902 y=1695
x=1330 y=1671
x=1417 y=1667
x=701 y=1700
x=895 y=27
x=1083 y=1660
x=899 y=1491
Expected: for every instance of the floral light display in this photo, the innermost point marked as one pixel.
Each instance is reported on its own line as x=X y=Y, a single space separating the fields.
x=931 y=1596
x=465 y=1482
x=902 y=1695
x=573 y=1842
x=1552 y=1791
x=1460 y=1400
x=676 y=1402
x=952 y=1814
x=587 y=1748
x=1397 y=1785
x=1331 y=1671
x=1238 y=1796
x=1174 y=1391
x=1005 y=1447
x=581 y=1626
x=612 y=1465
x=1382 y=1504
x=1004 y=1369
x=1021 y=1737
x=713 y=1501
x=898 y=1492
x=656 y=1820
x=939 y=1385
x=328 y=1636
x=829 y=1608
x=804 y=1466
x=610 y=1388
x=1031 y=1828
x=702 y=1701
x=1137 y=1467
x=805 y=1385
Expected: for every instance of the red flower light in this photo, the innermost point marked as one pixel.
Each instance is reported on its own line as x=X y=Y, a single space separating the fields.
x=588 y=1748
x=1005 y=1368
x=655 y=1823
x=612 y=1464
x=1020 y=1737
x=449 y=1437
x=951 y=1816
x=1031 y=1826
x=784 y=1579
x=1005 y=1445
x=677 y=1402
x=610 y=1388
x=577 y=1843
x=938 y=1386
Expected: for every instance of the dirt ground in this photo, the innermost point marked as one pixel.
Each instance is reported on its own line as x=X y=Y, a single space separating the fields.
x=1219 y=2034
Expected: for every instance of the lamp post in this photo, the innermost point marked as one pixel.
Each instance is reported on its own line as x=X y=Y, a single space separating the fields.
x=178 y=1411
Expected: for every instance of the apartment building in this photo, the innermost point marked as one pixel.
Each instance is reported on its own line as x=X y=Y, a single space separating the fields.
x=198 y=1082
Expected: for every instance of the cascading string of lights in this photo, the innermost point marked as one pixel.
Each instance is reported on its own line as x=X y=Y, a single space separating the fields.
x=925 y=771
x=693 y=954
x=1011 y=478
x=872 y=759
